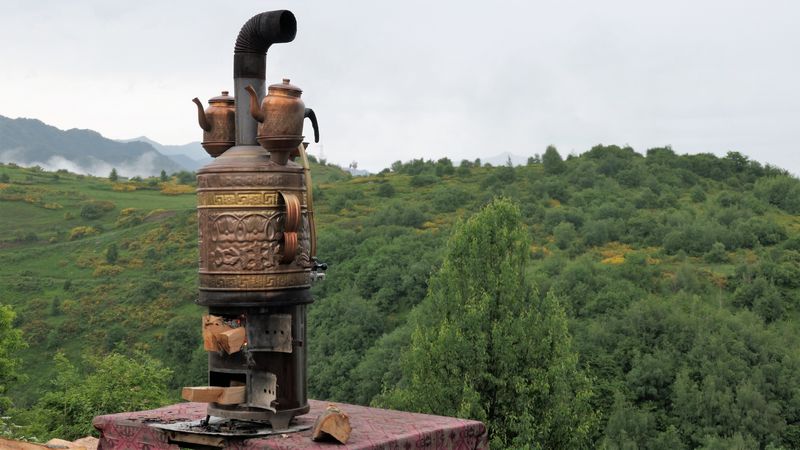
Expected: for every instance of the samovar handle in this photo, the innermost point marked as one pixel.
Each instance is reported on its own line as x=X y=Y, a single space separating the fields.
x=291 y=224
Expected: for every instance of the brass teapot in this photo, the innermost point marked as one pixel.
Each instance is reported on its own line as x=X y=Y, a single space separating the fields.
x=280 y=118
x=218 y=122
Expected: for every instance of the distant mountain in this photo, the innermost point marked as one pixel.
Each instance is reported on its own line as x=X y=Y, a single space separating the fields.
x=190 y=156
x=31 y=142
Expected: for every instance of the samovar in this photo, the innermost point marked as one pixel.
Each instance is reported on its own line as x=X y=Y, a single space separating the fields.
x=256 y=241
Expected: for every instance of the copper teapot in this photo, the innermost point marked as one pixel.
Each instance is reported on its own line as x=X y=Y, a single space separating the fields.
x=218 y=122
x=281 y=116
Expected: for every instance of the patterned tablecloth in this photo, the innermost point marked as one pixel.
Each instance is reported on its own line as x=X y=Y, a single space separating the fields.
x=373 y=428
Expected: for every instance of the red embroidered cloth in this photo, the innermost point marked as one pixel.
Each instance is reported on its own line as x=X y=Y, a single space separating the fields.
x=373 y=429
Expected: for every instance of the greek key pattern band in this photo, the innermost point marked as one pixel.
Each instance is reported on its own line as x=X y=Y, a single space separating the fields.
x=261 y=282
x=228 y=199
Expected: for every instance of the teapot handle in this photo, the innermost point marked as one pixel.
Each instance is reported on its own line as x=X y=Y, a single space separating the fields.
x=291 y=224
x=310 y=114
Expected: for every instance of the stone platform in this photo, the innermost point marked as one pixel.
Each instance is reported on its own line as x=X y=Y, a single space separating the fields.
x=373 y=428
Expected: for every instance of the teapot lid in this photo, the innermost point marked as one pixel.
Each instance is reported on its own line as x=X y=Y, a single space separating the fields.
x=286 y=88
x=224 y=98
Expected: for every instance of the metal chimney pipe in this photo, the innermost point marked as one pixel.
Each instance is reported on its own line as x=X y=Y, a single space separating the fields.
x=250 y=62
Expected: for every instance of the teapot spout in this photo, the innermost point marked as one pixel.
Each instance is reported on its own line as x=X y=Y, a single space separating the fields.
x=201 y=115
x=255 y=110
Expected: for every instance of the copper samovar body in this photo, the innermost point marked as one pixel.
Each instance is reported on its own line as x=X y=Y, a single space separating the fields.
x=254 y=228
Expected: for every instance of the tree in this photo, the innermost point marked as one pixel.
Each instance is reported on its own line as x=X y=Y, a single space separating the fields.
x=485 y=347
x=111 y=253
x=163 y=176
x=552 y=161
x=4 y=178
x=113 y=175
x=10 y=342
x=346 y=326
x=565 y=235
x=185 y=177
x=115 y=383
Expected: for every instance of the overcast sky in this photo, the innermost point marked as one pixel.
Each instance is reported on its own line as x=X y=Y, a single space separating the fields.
x=410 y=79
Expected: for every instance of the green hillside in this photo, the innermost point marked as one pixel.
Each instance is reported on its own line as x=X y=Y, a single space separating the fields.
x=679 y=277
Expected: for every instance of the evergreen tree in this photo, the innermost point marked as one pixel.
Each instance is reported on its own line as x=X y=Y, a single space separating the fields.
x=164 y=176
x=112 y=254
x=552 y=161
x=113 y=175
x=486 y=347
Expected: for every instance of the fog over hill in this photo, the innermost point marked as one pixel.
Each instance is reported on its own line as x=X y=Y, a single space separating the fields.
x=31 y=142
x=190 y=156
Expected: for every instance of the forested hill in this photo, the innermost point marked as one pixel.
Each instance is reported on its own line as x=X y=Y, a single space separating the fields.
x=678 y=277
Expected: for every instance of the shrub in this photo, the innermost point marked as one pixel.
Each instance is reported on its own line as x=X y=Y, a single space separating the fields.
x=81 y=232
x=106 y=270
x=717 y=254
x=176 y=189
x=423 y=179
x=95 y=209
x=123 y=187
x=396 y=213
x=129 y=217
x=385 y=190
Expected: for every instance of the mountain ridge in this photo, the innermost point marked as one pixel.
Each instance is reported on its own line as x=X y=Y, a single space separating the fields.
x=29 y=141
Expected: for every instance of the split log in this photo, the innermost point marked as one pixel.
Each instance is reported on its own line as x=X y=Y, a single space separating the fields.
x=212 y=326
x=231 y=340
x=233 y=395
x=218 y=335
x=334 y=423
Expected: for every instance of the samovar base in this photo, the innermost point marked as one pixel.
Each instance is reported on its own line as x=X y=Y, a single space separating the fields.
x=278 y=420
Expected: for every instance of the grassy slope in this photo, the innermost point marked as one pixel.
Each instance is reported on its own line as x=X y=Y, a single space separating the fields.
x=153 y=282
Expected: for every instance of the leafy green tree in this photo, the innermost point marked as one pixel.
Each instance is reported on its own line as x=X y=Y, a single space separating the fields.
x=781 y=191
x=10 y=343
x=444 y=166
x=115 y=383
x=113 y=175
x=182 y=351
x=484 y=346
x=717 y=254
x=345 y=326
x=565 y=234
x=552 y=161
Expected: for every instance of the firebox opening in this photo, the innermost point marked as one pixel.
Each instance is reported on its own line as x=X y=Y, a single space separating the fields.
x=226 y=379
